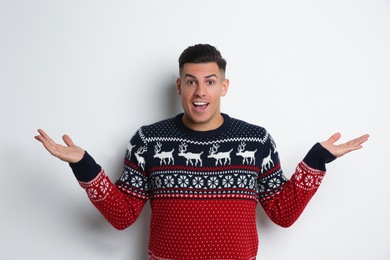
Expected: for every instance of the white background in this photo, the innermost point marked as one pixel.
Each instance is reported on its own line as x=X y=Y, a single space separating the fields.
x=98 y=70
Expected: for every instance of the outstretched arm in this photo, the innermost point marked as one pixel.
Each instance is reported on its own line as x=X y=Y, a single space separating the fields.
x=119 y=208
x=342 y=149
x=69 y=153
x=285 y=203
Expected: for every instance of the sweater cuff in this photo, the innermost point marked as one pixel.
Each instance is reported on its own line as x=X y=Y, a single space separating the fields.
x=86 y=169
x=318 y=156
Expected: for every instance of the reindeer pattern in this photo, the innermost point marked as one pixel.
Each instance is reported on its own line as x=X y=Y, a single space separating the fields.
x=192 y=158
x=163 y=155
x=219 y=157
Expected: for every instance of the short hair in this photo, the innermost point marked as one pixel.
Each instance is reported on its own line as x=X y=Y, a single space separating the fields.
x=202 y=53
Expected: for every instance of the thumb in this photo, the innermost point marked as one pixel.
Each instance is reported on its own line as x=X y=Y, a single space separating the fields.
x=334 y=138
x=68 y=141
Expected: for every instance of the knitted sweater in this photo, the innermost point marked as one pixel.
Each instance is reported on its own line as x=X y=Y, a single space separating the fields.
x=203 y=187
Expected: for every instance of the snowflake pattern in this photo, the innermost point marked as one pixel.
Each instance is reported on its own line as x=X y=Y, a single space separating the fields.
x=204 y=181
x=274 y=183
x=252 y=182
x=212 y=183
x=124 y=176
x=227 y=181
x=298 y=176
x=136 y=181
x=198 y=182
x=158 y=182
x=318 y=180
x=309 y=180
x=104 y=186
x=169 y=181
x=92 y=193
x=183 y=181
x=242 y=181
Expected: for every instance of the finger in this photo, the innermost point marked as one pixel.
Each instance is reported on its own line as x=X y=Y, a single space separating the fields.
x=68 y=141
x=44 y=137
x=354 y=144
x=357 y=142
x=41 y=137
x=43 y=134
x=47 y=142
x=334 y=138
x=364 y=138
x=38 y=137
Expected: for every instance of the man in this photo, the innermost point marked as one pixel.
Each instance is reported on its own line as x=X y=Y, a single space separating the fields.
x=203 y=171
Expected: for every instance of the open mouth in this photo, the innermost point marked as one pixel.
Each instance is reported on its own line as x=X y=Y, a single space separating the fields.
x=200 y=105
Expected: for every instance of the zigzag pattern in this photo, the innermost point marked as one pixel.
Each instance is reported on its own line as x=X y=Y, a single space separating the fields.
x=228 y=140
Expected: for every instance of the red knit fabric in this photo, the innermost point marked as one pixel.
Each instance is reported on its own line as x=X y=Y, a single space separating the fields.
x=206 y=227
x=286 y=205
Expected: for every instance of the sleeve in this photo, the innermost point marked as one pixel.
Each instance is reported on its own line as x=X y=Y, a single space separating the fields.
x=116 y=201
x=284 y=200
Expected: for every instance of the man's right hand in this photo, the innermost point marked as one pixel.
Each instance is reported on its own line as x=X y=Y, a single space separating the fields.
x=69 y=153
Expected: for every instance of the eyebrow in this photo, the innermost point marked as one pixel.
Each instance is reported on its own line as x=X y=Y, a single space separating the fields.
x=206 y=77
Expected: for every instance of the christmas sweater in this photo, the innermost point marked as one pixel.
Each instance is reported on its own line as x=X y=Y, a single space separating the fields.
x=203 y=187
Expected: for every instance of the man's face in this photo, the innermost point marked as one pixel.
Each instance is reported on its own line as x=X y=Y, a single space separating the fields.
x=201 y=87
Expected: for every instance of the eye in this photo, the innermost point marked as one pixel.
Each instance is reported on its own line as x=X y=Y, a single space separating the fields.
x=210 y=82
x=191 y=82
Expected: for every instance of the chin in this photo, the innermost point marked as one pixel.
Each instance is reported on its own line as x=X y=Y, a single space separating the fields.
x=201 y=118
x=196 y=119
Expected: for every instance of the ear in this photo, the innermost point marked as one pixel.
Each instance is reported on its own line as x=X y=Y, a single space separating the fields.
x=178 y=86
x=225 y=87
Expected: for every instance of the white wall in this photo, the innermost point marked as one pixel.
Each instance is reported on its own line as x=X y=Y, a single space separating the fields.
x=98 y=70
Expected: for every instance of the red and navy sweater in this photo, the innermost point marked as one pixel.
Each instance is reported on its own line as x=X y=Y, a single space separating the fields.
x=203 y=187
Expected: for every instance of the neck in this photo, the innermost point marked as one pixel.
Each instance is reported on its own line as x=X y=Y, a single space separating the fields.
x=203 y=126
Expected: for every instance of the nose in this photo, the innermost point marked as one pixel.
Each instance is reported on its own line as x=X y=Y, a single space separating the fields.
x=200 y=90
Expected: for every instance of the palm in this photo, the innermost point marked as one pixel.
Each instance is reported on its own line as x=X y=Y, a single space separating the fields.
x=342 y=149
x=69 y=153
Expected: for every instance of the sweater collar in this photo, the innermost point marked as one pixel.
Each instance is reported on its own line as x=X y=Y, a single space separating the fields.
x=210 y=133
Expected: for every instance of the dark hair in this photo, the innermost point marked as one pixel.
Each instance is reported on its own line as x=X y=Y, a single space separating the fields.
x=202 y=53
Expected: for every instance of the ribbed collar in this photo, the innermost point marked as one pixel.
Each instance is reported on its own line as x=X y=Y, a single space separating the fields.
x=202 y=134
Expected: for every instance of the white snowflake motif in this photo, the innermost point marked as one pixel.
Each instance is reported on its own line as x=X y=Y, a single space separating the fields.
x=319 y=180
x=251 y=182
x=274 y=183
x=309 y=180
x=136 y=181
x=183 y=181
x=124 y=176
x=212 y=182
x=169 y=181
x=242 y=181
x=298 y=176
x=92 y=193
x=103 y=186
x=198 y=182
x=227 y=182
x=157 y=182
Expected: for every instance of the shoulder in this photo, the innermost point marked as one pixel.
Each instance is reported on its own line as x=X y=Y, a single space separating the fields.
x=242 y=127
x=164 y=129
x=160 y=125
